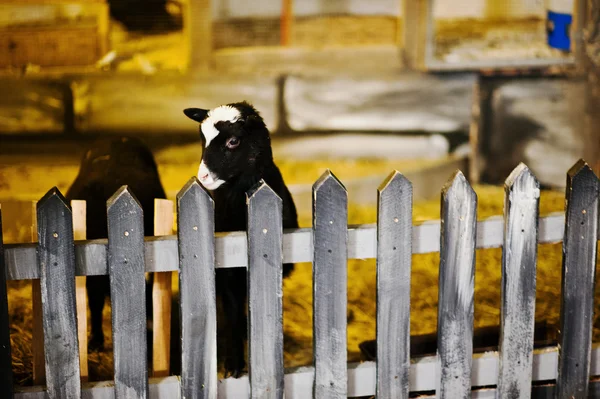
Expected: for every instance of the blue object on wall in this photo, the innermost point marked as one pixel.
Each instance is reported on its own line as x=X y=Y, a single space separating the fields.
x=558 y=30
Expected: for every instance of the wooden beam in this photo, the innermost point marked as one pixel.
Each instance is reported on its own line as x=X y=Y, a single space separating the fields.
x=162 y=296
x=78 y=208
x=198 y=25
x=587 y=45
x=161 y=253
x=361 y=379
x=37 y=330
x=287 y=21
x=418 y=34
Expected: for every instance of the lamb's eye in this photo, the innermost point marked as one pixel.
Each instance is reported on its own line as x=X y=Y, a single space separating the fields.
x=232 y=142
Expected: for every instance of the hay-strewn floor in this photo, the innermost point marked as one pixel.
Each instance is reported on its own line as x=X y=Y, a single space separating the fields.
x=361 y=293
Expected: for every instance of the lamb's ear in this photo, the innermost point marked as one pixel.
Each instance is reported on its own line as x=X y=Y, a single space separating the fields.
x=196 y=114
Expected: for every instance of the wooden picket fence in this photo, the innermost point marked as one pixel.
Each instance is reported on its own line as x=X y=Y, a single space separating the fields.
x=514 y=371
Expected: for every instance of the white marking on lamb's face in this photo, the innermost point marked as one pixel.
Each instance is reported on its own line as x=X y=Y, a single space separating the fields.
x=224 y=113
x=207 y=178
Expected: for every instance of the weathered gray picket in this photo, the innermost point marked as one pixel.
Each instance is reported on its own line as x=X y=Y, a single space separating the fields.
x=578 y=278
x=519 y=253
x=198 y=314
x=265 y=292
x=330 y=224
x=456 y=288
x=56 y=260
x=6 y=375
x=394 y=254
x=127 y=288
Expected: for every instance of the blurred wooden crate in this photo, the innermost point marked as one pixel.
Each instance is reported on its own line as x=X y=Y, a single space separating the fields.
x=505 y=37
x=52 y=33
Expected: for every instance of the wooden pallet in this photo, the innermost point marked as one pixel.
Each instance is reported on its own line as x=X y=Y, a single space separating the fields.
x=52 y=33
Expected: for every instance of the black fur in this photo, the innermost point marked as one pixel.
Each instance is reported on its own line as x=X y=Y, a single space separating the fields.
x=241 y=168
x=144 y=15
x=106 y=166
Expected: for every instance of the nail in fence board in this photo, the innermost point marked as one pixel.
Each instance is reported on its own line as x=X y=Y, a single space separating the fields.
x=162 y=296
x=265 y=308
x=394 y=254
x=79 y=232
x=198 y=315
x=330 y=223
x=519 y=254
x=578 y=274
x=56 y=260
x=127 y=291
x=456 y=288
x=6 y=376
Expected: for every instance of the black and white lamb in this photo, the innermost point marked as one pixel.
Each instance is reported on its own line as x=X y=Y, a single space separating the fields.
x=237 y=154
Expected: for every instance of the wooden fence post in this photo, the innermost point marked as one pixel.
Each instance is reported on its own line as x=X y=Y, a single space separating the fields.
x=330 y=287
x=127 y=290
x=265 y=292
x=456 y=288
x=37 y=328
x=196 y=235
x=162 y=295
x=418 y=35
x=198 y=25
x=6 y=376
x=79 y=233
x=578 y=274
x=56 y=259
x=519 y=254
x=394 y=257
x=286 y=21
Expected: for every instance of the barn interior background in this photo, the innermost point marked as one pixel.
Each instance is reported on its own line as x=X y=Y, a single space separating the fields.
x=424 y=87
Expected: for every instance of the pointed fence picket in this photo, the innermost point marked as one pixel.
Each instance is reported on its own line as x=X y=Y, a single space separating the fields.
x=196 y=251
x=330 y=221
x=196 y=232
x=456 y=288
x=56 y=257
x=394 y=257
x=517 y=309
x=265 y=292
x=580 y=247
x=127 y=288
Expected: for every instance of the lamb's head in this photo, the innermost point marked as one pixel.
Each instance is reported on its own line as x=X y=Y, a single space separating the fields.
x=235 y=142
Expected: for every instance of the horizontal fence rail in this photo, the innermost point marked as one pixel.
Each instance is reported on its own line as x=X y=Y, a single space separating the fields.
x=197 y=253
x=231 y=249
x=361 y=378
